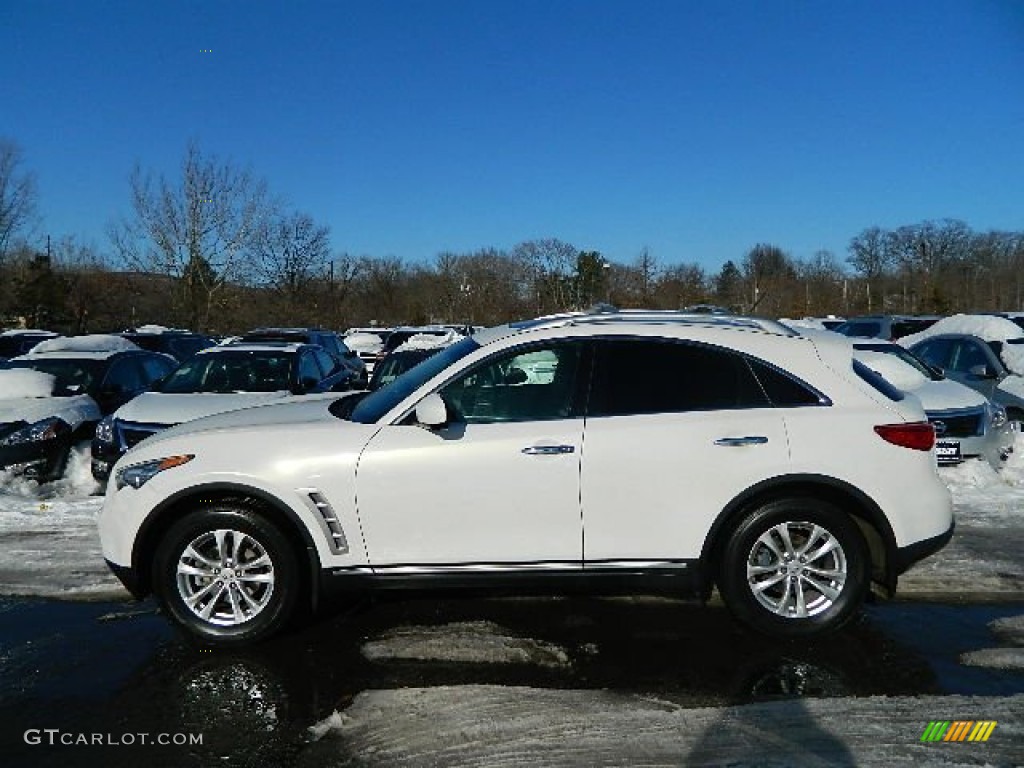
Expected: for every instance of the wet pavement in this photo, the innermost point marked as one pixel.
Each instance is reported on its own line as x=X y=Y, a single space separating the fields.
x=116 y=669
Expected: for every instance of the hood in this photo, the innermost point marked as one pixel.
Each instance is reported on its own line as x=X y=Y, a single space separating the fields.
x=160 y=408
x=74 y=410
x=292 y=412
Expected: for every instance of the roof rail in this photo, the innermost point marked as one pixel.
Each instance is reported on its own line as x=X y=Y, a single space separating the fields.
x=667 y=316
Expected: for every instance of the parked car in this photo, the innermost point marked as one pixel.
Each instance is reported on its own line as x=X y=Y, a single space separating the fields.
x=983 y=352
x=221 y=378
x=179 y=344
x=400 y=335
x=967 y=425
x=413 y=351
x=368 y=345
x=329 y=340
x=780 y=474
x=18 y=342
x=888 y=327
x=55 y=395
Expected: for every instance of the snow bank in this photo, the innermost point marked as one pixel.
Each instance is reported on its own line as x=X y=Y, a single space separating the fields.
x=24 y=382
x=987 y=327
x=97 y=342
x=474 y=642
x=508 y=726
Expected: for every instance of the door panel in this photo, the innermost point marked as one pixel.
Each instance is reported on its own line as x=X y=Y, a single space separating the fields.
x=470 y=494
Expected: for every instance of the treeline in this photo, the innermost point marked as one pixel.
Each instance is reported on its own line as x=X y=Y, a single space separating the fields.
x=211 y=249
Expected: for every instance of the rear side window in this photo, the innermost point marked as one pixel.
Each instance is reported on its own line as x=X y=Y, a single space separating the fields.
x=664 y=376
x=877 y=382
x=782 y=389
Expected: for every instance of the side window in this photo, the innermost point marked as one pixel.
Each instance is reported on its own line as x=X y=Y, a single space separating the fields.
x=783 y=390
x=968 y=354
x=125 y=375
x=665 y=376
x=532 y=385
x=325 y=361
x=155 y=367
x=308 y=368
x=935 y=352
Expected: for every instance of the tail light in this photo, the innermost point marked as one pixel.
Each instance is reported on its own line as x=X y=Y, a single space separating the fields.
x=918 y=435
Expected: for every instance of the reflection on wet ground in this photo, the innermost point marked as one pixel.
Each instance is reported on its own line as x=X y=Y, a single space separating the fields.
x=119 y=668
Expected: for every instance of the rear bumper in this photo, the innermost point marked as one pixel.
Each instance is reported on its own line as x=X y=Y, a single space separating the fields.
x=907 y=556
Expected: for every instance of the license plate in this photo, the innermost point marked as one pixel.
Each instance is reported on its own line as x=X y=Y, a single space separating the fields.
x=947 y=452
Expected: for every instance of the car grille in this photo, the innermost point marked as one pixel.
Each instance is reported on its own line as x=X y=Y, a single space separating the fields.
x=131 y=434
x=969 y=423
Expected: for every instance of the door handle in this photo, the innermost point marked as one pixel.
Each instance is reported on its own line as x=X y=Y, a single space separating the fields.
x=548 y=450
x=749 y=440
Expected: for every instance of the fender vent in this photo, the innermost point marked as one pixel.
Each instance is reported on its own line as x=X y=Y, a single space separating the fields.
x=328 y=521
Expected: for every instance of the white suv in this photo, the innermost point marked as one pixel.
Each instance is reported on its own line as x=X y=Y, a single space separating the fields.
x=769 y=464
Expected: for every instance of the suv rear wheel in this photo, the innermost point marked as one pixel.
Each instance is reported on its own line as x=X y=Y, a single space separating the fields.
x=794 y=567
x=226 y=574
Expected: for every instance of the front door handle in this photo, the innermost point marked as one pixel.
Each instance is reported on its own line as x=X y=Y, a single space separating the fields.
x=548 y=450
x=749 y=440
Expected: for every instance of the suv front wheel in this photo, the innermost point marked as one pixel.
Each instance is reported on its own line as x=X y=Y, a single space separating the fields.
x=794 y=567
x=227 y=574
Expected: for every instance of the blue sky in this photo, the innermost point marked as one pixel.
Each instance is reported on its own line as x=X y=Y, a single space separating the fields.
x=695 y=129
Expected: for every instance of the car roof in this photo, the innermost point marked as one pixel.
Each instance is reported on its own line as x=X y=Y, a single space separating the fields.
x=290 y=347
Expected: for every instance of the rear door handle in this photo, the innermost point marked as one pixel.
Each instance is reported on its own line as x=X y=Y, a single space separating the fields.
x=548 y=450
x=749 y=440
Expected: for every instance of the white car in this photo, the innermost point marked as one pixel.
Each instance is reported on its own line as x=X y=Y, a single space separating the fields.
x=967 y=425
x=216 y=379
x=771 y=465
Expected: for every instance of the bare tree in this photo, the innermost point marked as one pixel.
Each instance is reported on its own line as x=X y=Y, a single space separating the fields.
x=290 y=252
x=17 y=195
x=199 y=229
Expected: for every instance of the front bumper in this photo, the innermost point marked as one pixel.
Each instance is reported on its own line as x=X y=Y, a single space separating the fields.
x=39 y=460
x=128 y=578
x=104 y=457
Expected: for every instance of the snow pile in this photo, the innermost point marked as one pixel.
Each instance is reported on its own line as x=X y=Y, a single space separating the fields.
x=27 y=332
x=24 y=382
x=98 y=342
x=430 y=341
x=987 y=327
x=505 y=726
x=900 y=374
x=151 y=328
x=472 y=642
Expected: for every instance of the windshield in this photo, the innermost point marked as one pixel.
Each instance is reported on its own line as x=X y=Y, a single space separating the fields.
x=375 y=405
x=906 y=356
x=231 y=372
x=73 y=377
x=397 y=363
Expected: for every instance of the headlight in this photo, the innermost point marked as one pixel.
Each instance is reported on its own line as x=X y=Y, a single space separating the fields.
x=997 y=415
x=47 y=429
x=105 y=430
x=137 y=475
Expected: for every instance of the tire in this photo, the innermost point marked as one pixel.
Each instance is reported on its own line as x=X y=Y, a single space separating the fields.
x=767 y=586
x=198 y=583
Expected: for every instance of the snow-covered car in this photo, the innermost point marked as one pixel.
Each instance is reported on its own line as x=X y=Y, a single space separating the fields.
x=18 y=342
x=967 y=425
x=983 y=352
x=413 y=351
x=328 y=340
x=888 y=327
x=368 y=345
x=217 y=379
x=780 y=474
x=179 y=344
x=54 y=396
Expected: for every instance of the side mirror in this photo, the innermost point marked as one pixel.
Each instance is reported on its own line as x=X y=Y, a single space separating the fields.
x=431 y=412
x=981 y=371
x=306 y=384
